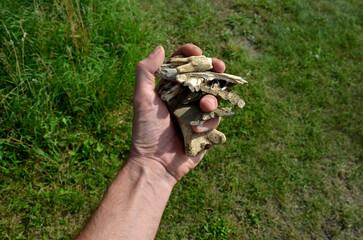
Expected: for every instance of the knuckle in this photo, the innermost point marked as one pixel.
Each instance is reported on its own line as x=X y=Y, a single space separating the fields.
x=140 y=65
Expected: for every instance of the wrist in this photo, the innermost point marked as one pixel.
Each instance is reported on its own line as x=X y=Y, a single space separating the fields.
x=156 y=172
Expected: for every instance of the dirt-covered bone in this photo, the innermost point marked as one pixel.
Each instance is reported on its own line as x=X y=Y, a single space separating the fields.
x=183 y=82
x=197 y=142
x=191 y=114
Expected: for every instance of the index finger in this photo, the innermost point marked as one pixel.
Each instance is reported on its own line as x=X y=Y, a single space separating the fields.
x=218 y=65
x=188 y=50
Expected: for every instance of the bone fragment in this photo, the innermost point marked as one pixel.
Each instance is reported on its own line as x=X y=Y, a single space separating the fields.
x=225 y=94
x=190 y=97
x=210 y=76
x=169 y=92
x=167 y=72
x=192 y=64
x=191 y=114
x=197 y=142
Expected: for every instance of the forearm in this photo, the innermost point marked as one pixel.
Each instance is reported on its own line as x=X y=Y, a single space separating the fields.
x=133 y=205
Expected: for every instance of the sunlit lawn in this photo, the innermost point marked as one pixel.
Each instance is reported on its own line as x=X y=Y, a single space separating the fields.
x=292 y=164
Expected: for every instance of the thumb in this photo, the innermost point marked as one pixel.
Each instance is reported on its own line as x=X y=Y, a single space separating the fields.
x=146 y=68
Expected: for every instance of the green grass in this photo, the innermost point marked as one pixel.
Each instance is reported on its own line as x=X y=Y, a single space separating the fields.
x=292 y=163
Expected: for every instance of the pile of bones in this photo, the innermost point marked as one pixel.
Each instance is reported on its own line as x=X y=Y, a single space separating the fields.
x=184 y=81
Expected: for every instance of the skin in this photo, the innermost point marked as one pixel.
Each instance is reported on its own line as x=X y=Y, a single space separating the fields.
x=135 y=201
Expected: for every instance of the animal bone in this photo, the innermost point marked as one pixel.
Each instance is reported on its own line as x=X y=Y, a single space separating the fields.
x=225 y=94
x=183 y=82
x=192 y=115
x=191 y=64
x=197 y=142
x=229 y=79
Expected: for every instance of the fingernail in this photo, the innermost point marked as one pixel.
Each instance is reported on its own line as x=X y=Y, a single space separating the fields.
x=201 y=128
x=156 y=51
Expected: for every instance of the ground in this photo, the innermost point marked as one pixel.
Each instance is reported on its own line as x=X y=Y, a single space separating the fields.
x=292 y=164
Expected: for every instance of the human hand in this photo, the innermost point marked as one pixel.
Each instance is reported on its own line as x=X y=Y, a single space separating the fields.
x=156 y=142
